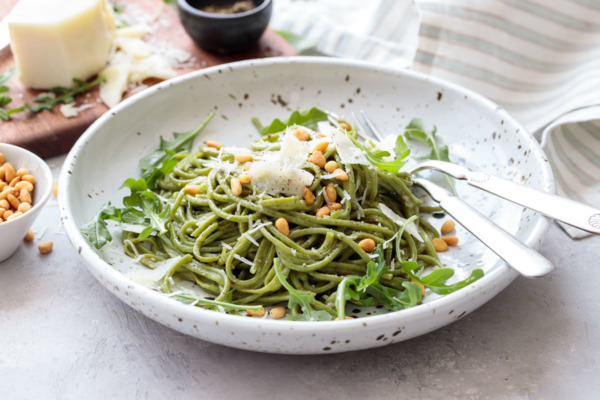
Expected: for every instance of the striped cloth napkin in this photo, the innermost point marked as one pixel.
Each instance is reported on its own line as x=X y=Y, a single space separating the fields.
x=539 y=59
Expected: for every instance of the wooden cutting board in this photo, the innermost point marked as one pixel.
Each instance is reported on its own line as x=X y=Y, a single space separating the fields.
x=49 y=133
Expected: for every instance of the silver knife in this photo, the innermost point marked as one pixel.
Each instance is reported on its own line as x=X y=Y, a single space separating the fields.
x=565 y=210
x=522 y=258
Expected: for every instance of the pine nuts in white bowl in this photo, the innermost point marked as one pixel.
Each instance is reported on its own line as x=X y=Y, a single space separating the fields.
x=25 y=171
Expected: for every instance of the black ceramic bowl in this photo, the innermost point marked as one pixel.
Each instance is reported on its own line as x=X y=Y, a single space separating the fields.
x=224 y=33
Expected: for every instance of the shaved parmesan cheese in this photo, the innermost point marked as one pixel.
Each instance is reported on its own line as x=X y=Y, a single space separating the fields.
x=117 y=77
x=332 y=175
x=133 y=31
x=228 y=247
x=244 y=260
x=293 y=152
x=348 y=152
x=325 y=128
x=398 y=220
x=149 y=277
x=69 y=110
x=274 y=178
x=133 y=47
x=250 y=238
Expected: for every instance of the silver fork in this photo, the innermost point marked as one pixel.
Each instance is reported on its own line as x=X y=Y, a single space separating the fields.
x=522 y=258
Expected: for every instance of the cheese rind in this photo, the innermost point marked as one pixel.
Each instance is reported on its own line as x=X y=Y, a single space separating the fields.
x=56 y=41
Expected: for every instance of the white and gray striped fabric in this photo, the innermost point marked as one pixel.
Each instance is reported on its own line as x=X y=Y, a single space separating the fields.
x=539 y=59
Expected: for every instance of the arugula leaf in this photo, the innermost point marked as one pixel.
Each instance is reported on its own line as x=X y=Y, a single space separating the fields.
x=415 y=130
x=5 y=77
x=437 y=278
x=162 y=161
x=375 y=157
x=47 y=102
x=189 y=297
x=302 y=300
x=95 y=230
x=368 y=288
x=308 y=119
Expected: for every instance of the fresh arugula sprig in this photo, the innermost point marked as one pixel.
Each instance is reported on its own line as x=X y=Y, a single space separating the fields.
x=368 y=289
x=163 y=160
x=142 y=205
x=376 y=157
x=300 y=299
x=308 y=118
x=189 y=297
x=46 y=101
x=6 y=100
x=415 y=130
x=435 y=281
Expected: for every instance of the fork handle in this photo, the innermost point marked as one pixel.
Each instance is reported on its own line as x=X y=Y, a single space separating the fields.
x=519 y=256
x=565 y=210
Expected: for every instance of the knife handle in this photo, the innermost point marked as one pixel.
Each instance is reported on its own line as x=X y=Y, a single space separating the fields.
x=565 y=210
x=522 y=258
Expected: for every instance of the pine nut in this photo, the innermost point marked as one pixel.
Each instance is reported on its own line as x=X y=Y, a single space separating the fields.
x=343 y=176
x=3 y=185
x=318 y=159
x=24 y=207
x=439 y=245
x=45 y=247
x=236 y=186
x=282 y=226
x=245 y=179
x=22 y=171
x=322 y=147
x=447 y=227
x=28 y=178
x=258 y=313
x=24 y=185
x=450 y=240
x=14 y=215
x=29 y=236
x=9 y=172
x=24 y=196
x=1 y=159
x=367 y=245
x=214 y=144
x=193 y=190
x=345 y=126
x=277 y=312
x=4 y=204
x=55 y=189
x=335 y=206
x=323 y=211
x=7 y=214
x=308 y=197
x=330 y=193
x=16 y=180
x=346 y=317
x=301 y=135
x=13 y=201
x=331 y=166
x=242 y=158
x=420 y=285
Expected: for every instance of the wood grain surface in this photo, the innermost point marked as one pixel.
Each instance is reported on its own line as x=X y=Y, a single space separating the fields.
x=49 y=133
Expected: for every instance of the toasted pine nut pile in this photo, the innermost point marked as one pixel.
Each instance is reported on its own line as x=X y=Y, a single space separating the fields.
x=16 y=190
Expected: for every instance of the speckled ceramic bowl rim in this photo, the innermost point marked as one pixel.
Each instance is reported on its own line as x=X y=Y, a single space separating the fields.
x=47 y=177
x=502 y=275
x=203 y=14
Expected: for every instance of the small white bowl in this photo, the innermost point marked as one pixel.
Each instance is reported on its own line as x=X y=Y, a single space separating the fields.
x=12 y=232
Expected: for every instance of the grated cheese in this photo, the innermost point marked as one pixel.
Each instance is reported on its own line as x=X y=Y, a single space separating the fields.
x=348 y=152
x=244 y=260
x=274 y=178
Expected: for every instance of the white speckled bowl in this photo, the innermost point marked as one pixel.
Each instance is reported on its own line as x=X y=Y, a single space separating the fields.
x=12 y=232
x=479 y=134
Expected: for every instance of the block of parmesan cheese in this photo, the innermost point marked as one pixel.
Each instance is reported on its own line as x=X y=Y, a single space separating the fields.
x=55 y=41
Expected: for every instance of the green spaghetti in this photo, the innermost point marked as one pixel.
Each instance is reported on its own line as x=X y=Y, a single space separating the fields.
x=251 y=229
